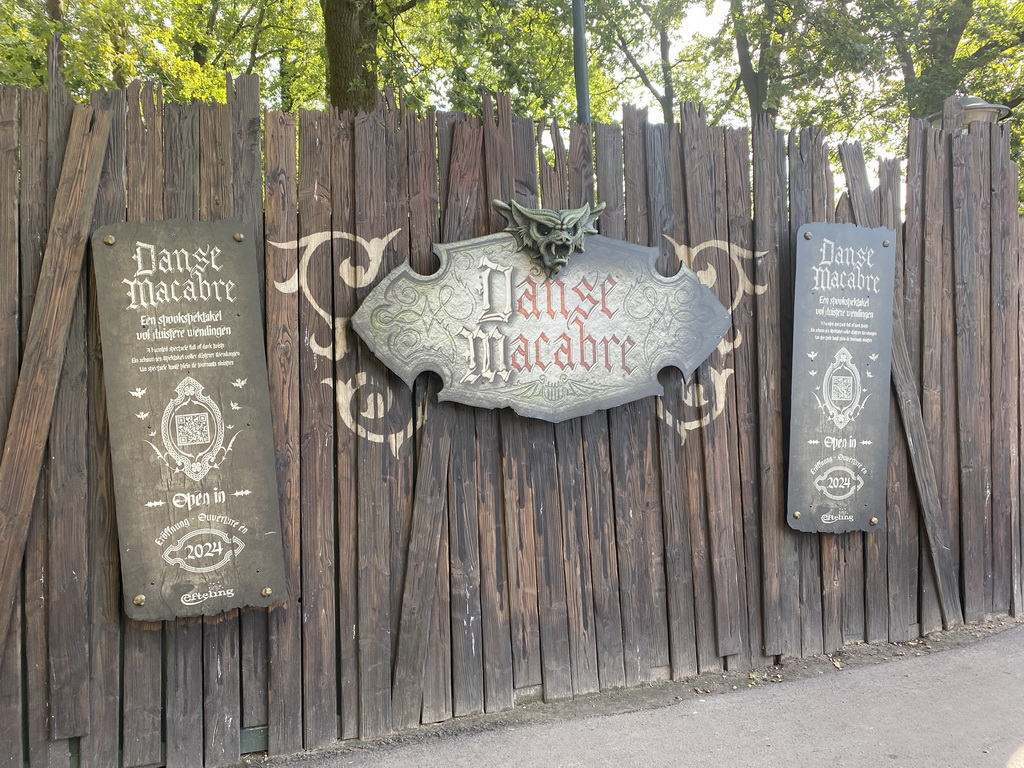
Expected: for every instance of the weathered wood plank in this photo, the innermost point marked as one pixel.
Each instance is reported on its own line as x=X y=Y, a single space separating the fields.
x=341 y=137
x=737 y=154
x=781 y=620
x=672 y=435
x=99 y=747
x=11 y=726
x=812 y=592
x=520 y=503
x=548 y=492
x=1005 y=368
x=316 y=439
x=284 y=681
x=437 y=682
x=933 y=170
x=222 y=719
x=597 y=449
x=246 y=155
x=429 y=517
x=67 y=571
x=44 y=345
x=972 y=310
x=494 y=582
x=143 y=642
x=638 y=512
x=375 y=459
x=183 y=638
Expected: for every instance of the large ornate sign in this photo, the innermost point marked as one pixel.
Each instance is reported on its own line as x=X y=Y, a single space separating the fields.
x=842 y=351
x=551 y=338
x=189 y=413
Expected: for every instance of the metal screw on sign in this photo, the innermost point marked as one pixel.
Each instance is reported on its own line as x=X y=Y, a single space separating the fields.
x=796 y=515
x=873 y=521
x=267 y=592
x=885 y=243
x=239 y=237
x=807 y=235
x=139 y=600
x=109 y=240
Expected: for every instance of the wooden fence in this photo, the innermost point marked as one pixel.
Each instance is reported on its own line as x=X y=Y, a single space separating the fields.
x=447 y=561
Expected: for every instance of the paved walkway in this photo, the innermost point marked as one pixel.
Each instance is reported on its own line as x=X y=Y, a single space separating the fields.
x=962 y=708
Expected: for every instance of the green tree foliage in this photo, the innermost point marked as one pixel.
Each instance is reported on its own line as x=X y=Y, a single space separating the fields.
x=858 y=68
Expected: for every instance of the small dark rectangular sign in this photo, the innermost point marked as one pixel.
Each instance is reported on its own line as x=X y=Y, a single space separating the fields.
x=189 y=412
x=842 y=353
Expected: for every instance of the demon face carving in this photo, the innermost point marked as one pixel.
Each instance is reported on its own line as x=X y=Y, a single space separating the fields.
x=550 y=237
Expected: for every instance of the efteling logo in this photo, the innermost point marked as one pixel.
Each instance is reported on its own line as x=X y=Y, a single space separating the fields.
x=830 y=517
x=194 y=598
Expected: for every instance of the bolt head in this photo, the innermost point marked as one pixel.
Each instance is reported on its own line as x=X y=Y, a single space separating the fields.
x=139 y=600
x=267 y=592
x=807 y=235
x=239 y=237
x=873 y=521
x=109 y=240
x=796 y=515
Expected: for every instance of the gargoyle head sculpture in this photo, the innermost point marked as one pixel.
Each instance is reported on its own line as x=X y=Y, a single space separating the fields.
x=550 y=237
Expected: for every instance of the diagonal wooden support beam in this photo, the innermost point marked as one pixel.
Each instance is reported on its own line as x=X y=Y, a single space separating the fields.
x=44 y=346
x=865 y=214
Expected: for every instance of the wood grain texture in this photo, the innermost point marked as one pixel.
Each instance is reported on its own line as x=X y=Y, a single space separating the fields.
x=494 y=576
x=316 y=441
x=284 y=681
x=597 y=446
x=143 y=642
x=738 y=184
x=1005 y=370
x=41 y=363
x=375 y=460
x=183 y=638
x=222 y=719
x=11 y=727
x=246 y=156
x=973 y=383
x=781 y=623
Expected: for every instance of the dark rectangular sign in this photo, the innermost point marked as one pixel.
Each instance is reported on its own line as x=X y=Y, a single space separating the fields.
x=189 y=413
x=842 y=349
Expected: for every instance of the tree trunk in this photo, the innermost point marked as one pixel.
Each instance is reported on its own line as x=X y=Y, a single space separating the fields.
x=350 y=36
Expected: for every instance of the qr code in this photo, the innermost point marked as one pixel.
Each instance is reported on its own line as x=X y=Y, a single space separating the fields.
x=842 y=388
x=192 y=428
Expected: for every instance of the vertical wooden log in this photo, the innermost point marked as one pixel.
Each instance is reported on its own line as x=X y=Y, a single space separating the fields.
x=99 y=747
x=930 y=616
x=183 y=638
x=341 y=129
x=316 y=437
x=1005 y=371
x=11 y=726
x=221 y=652
x=672 y=434
x=143 y=642
x=902 y=529
x=246 y=153
x=781 y=620
x=933 y=170
x=375 y=458
x=549 y=492
x=741 y=234
x=494 y=581
x=972 y=311
x=284 y=683
x=520 y=503
x=809 y=547
x=597 y=447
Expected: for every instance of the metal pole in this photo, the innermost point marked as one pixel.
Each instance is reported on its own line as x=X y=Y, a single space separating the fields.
x=579 y=60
